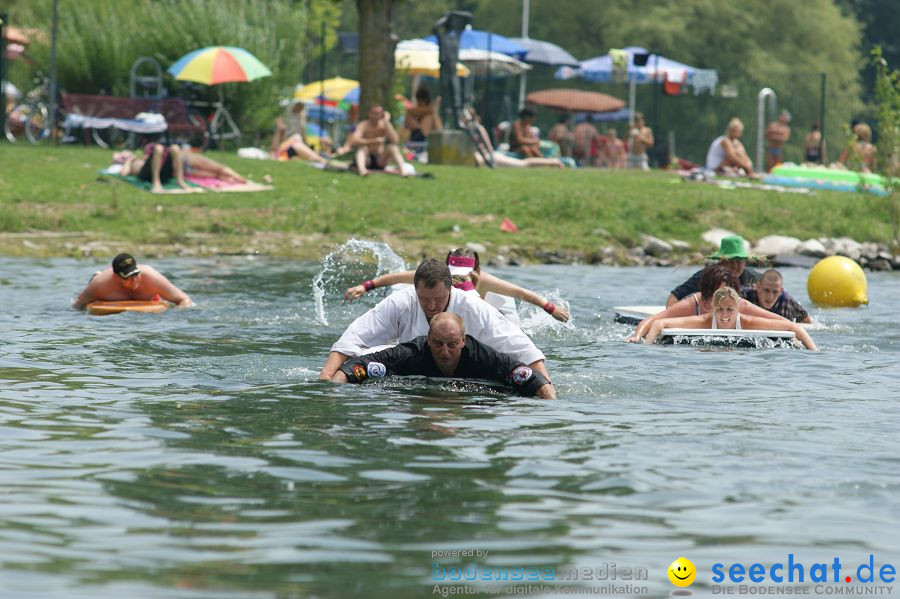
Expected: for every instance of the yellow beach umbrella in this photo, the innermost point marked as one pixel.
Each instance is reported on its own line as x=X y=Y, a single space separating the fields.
x=336 y=89
x=421 y=57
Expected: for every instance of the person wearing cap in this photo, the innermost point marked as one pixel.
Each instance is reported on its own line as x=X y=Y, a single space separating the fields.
x=405 y=315
x=125 y=280
x=446 y=352
x=777 y=134
x=732 y=255
x=712 y=278
x=465 y=270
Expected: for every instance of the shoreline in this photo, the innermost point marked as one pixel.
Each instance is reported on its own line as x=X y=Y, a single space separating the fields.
x=54 y=203
x=313 y=247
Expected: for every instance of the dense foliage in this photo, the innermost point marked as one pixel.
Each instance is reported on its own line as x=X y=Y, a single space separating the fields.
x=99 y=40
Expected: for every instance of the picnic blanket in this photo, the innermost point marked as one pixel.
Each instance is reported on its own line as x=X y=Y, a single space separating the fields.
x=194 y=183
x=701 y=176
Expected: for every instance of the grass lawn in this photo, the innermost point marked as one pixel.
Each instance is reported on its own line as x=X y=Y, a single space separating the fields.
x=54 y=203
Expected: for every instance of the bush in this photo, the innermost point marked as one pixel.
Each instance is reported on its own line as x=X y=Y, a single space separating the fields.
x=98 y=41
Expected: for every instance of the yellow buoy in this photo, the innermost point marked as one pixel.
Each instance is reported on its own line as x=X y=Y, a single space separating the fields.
x=837 y=281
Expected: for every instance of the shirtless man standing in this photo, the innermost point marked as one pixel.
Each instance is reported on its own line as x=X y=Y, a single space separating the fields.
x=124 y=280
x=640 y=140
x=375 y=140
x=777 y=134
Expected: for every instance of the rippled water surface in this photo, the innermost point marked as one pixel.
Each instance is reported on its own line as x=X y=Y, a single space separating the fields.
x=194 y=453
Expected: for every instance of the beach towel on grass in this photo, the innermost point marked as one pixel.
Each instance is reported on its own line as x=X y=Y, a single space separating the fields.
x=213 y=184
x=171 y=186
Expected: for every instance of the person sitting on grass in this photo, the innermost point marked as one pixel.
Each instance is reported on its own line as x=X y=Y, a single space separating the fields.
x=125 y=280
x=375 y=141
x=289 y=140
x=712 y=278
x=161 y=164
x=486 y=149
x=727 y=155
x=522 y=139
x=861 y=153
x=466 y=273
x=726 y=315
x=769 y=294
x=422 y=118
x=446 y=352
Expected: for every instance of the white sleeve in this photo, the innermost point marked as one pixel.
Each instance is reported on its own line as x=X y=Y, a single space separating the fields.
x=487 y=325
x=378 y=326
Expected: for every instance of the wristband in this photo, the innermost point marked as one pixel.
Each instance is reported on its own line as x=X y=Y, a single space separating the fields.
x=368 y=285
x=549 y=307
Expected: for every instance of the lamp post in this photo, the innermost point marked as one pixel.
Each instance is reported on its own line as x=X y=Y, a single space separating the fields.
x=523 y=79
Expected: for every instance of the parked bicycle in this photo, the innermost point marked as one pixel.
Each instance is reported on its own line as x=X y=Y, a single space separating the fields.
x=18 y=121
x=30 y=119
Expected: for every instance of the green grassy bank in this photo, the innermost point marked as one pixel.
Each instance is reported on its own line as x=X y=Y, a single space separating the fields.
x=52 y=203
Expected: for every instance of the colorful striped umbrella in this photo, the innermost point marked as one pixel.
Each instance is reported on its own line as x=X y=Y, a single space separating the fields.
x=330 y=91
x=218 y=64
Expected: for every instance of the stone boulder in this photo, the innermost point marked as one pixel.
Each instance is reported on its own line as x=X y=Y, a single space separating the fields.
x=844 y=246
x=775 y=245
x=812 y=247
x=654 y=246
x=714 y=236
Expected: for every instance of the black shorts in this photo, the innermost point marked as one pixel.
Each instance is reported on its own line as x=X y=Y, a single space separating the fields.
x=165 y=173
x=372 y=162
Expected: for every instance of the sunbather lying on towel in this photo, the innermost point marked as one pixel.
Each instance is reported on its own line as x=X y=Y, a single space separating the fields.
x=161 y=163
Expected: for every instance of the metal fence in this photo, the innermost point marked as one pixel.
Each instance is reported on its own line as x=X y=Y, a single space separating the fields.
x=692 y=121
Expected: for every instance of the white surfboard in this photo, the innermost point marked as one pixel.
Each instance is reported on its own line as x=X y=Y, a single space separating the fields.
x=730 y=337
x=635 y=314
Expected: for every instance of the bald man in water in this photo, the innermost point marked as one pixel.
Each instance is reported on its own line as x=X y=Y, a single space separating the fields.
x=446 y=352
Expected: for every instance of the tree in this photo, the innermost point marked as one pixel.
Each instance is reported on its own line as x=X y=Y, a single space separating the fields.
x=887 y=97
x=376 y=52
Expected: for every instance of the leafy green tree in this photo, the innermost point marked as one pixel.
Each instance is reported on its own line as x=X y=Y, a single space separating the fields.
x=887 y=97
x=99 y=40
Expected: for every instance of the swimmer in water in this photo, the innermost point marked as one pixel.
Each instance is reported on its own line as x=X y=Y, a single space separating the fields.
x=125 y=280
x=712 y=278
x=770 y=295
x=446 y=352
x=725 y=314
x=465 y=268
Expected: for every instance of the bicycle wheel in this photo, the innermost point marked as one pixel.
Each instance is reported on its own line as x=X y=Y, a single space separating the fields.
x=198 y=140
x=38 y=126
x=113 y=138
x=14 y=125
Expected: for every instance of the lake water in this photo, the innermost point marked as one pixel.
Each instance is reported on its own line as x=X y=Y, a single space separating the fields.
x=194 y=453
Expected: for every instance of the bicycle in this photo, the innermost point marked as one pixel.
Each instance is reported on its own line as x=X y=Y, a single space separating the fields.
x=17 y=123
x=221 y=130
x=32 y=117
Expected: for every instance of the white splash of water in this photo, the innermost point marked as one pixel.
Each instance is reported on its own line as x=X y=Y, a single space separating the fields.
x=354 y=261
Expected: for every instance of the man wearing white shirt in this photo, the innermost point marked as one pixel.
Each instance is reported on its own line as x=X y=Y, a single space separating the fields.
x=405 y=315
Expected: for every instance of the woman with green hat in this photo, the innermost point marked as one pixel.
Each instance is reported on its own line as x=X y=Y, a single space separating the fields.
x=732 y=255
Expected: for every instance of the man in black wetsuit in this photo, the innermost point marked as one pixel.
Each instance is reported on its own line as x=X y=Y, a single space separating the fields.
x=447 y=352
x=732 y=255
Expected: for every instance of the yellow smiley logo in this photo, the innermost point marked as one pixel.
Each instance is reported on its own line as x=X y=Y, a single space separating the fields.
x=682 y=572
